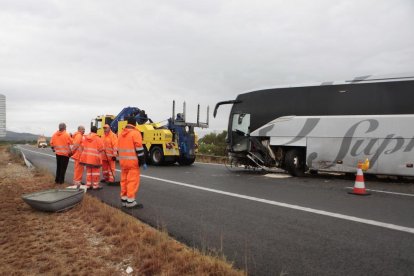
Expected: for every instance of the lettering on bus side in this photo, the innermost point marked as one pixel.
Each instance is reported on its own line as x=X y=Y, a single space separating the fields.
x=355 y=148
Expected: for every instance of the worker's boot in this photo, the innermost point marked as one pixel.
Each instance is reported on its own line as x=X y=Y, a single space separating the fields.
x=124 y=202
x=134 y=205
x=77 y=183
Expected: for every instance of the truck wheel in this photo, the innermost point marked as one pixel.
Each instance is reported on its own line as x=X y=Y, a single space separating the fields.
x=295 y=162
x=186 y=161
x=156 y=156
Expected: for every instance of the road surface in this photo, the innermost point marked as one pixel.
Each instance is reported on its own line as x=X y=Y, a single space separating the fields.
x=272 y=224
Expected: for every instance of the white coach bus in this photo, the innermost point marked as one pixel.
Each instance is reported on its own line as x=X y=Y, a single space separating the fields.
x=327 y=127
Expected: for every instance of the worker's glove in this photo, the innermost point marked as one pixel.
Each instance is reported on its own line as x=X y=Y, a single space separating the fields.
x=144 y=166
x=141 y=160
x=113 y=158
x=53 y=149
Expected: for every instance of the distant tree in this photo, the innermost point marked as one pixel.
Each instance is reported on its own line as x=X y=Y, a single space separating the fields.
x=213 y=143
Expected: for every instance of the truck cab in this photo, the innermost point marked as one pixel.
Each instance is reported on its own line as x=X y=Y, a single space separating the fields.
x=41 y=142
x=100 y=121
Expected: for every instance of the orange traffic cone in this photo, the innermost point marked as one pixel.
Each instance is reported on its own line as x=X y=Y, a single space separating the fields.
x=359 y=186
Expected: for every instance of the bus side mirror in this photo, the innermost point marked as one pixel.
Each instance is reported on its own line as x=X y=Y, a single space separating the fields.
x=240 y=120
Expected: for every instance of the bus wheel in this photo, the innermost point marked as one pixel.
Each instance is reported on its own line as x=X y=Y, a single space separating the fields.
x=314 y=172
x=295 y=162
x=156 y=156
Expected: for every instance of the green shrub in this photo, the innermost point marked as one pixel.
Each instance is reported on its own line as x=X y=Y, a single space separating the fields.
x=213 y=144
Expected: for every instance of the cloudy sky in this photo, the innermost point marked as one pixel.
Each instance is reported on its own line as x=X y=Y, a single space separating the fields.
x=72 y=60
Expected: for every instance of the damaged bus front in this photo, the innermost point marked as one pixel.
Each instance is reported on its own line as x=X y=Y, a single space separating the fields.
x=326 y=127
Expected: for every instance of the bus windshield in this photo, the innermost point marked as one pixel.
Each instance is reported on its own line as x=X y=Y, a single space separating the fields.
x=241 y=124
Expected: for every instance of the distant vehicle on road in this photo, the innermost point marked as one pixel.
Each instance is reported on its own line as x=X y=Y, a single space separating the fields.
x=327 y=127
x=41 y=142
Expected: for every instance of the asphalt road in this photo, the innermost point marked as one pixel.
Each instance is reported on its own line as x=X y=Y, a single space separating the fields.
x=268 y=224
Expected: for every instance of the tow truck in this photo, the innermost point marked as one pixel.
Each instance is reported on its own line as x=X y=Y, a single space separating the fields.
x=165 y=144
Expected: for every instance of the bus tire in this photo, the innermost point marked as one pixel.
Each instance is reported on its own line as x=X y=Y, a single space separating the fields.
x=295 y=162
x=313 y=172
x=156 y=156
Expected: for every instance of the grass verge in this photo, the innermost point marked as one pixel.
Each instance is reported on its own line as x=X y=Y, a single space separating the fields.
x=90 y=239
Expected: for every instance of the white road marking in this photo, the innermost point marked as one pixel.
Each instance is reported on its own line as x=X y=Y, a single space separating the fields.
x=37 y=152
x=54 y=156
x=213 y=164
x=385 y=192
x=291 y=206
x=281 y=204
x=278 y=175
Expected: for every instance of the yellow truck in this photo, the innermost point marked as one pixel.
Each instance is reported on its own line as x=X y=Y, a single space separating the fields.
x=164 y=144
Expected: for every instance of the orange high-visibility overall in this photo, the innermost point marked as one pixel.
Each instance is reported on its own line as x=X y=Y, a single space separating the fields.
x=129 y=144
x=60 y=143
x=78 y=171
x=110 y=142
x=92 y=148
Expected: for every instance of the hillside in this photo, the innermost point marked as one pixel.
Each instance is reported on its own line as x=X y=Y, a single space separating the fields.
x=17 y=136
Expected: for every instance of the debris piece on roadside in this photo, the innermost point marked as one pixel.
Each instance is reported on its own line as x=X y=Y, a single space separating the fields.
x=84 y=188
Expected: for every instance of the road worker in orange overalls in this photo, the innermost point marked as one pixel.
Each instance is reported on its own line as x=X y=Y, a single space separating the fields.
x=60 y=144
x=92 y=148
x=131 y=157
x=110 y=141
x=77 y=140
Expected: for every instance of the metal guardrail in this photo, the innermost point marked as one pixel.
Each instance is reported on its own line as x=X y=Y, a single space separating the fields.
x=211 y=159
x=17 y=151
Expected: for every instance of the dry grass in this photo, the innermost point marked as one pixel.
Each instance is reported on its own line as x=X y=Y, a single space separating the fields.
x=90 y=239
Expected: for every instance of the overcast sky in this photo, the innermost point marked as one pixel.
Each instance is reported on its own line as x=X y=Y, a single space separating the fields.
x=72 y=60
